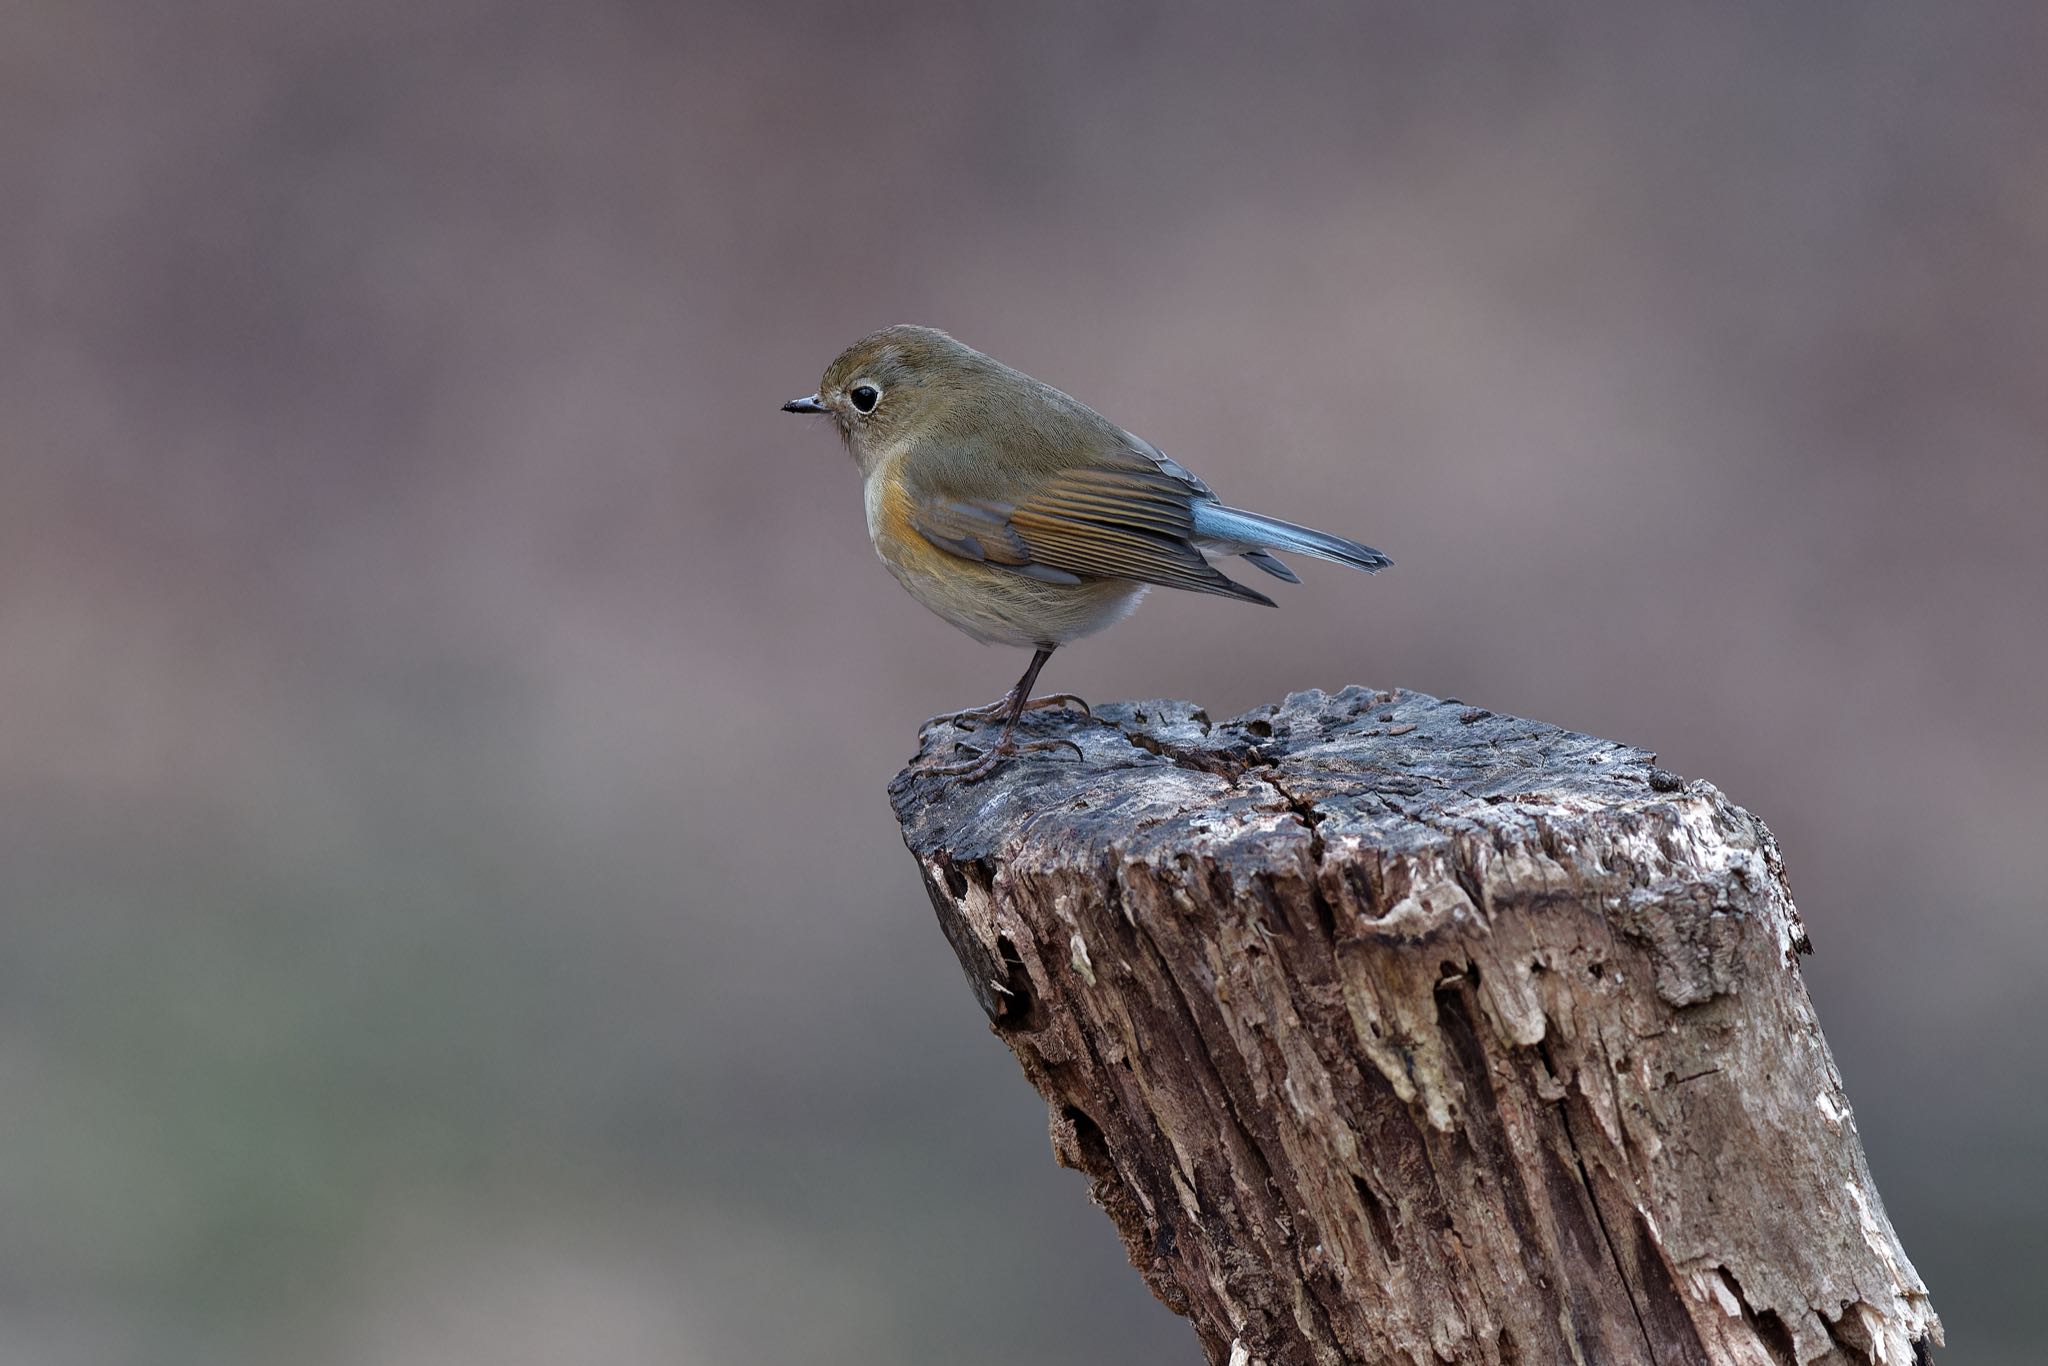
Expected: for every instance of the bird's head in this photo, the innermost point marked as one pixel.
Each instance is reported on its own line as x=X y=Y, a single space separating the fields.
x=886 y=387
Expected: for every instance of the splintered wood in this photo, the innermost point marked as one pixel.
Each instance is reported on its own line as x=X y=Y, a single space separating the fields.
x=1392 y=1030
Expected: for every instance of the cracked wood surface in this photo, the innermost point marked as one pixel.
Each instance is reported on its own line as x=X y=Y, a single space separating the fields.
x=1390 y=1029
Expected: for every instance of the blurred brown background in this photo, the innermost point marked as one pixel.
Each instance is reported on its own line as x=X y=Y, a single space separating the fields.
x=451 y=912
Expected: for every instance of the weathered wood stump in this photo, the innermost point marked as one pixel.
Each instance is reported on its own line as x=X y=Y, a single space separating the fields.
x=1393 y=1030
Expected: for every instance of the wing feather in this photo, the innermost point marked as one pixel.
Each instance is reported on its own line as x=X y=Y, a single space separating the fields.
x=1111 y=522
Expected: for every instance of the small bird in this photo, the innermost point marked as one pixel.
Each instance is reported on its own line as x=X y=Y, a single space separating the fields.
x=1023 y=516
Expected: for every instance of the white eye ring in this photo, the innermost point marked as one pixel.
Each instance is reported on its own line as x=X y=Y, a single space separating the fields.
x=864 y=389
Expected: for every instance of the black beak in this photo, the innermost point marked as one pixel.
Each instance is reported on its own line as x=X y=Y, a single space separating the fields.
x=807 y=404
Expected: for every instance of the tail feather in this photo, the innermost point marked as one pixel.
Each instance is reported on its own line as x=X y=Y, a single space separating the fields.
x=1241 y=531
x=1272 y=564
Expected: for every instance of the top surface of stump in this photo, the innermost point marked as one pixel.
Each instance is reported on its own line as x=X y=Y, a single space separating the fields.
x=1384 y=767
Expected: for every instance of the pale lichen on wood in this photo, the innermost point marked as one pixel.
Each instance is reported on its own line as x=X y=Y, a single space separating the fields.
x=1393 y=1030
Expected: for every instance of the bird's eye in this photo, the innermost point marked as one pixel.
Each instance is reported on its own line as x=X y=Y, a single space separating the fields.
x=865 y=397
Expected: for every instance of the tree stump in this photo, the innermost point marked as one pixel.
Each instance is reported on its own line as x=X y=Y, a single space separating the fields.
x=1391 y=1029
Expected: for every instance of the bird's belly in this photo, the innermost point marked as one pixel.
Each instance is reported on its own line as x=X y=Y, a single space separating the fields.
x=1000 y=607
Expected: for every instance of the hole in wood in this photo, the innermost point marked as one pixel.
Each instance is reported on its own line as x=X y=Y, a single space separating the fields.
x=1020 y=1005
x=1376 y=1215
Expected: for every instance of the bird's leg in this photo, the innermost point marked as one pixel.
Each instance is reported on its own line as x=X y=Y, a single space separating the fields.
x=1013 y=707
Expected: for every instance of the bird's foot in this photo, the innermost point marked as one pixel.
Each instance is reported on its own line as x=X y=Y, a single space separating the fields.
x=985 y=762
x=999 y=709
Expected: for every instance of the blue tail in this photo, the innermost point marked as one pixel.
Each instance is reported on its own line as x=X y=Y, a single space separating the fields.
x=1238 y=531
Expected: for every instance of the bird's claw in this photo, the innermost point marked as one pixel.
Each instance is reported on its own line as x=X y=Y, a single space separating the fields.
x=985 y=762
x=1000 y=709
x=1054 y=743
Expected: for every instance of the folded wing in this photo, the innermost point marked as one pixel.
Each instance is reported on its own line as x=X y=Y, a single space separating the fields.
x=1132 y=521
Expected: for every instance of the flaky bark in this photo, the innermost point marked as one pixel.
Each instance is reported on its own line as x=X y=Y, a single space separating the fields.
x=1392 y=1030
